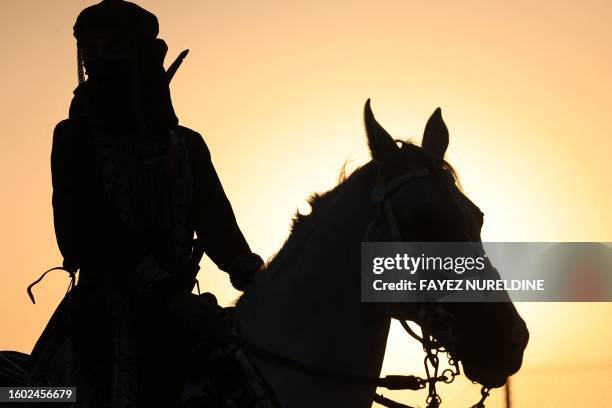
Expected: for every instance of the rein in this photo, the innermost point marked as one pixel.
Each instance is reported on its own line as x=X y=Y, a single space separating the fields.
x=391 y=382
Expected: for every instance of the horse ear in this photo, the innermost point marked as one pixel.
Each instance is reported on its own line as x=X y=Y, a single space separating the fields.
x=382 y=145
x=435 y=136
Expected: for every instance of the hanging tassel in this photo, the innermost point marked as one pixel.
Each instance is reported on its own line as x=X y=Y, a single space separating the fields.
x=37 y=281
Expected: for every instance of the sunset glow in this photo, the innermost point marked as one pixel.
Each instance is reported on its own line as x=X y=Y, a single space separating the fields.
x=277 y=90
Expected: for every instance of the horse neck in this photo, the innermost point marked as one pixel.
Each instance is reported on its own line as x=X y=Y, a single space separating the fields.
x=309 y=309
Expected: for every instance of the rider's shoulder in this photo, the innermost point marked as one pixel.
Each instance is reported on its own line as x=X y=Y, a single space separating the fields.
x=195 y=142
x=64 y=128
x=66 y=133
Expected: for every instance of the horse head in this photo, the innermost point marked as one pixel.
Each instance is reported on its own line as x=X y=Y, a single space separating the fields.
x=488 y=338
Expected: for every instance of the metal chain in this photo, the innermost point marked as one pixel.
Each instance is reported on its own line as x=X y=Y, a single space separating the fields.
x=484 y=392
x=432 y=349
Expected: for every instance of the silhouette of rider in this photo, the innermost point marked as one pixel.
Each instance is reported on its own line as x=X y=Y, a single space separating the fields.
x=130 y=188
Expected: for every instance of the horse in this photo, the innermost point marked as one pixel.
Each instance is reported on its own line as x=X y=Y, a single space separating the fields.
x=307 y=300
x=301 y=328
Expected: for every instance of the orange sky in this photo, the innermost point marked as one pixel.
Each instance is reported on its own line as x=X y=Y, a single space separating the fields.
x=277 y=89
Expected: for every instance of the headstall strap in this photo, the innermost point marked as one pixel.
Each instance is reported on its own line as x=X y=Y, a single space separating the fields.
x=381 y=195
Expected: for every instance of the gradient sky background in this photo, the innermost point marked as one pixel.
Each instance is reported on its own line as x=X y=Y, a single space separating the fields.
x=277 y=90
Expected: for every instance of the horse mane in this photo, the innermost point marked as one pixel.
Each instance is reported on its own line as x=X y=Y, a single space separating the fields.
x=301 y=223
x=319 y=202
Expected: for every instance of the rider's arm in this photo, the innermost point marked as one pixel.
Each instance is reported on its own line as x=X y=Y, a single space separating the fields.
x=215 y=222
x=66 y=211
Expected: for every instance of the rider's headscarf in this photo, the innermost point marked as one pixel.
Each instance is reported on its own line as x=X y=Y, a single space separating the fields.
x=138 y=94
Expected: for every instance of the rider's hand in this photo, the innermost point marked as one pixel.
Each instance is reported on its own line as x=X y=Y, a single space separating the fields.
x=200 y=313
x=243 y=270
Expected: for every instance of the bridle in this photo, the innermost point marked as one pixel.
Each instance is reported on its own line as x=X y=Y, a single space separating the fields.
x=380 y=195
